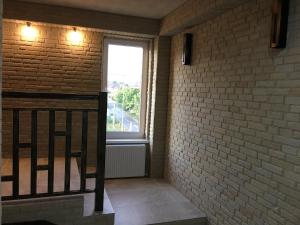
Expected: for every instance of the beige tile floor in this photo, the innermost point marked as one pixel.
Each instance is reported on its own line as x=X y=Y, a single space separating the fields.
x=150 y=201
x=134 y=201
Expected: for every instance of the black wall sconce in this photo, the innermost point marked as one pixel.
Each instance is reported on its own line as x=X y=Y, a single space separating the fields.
x=280 y=14
x=187 y=49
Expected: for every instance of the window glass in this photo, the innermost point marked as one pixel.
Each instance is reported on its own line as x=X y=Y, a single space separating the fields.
x=124 y=86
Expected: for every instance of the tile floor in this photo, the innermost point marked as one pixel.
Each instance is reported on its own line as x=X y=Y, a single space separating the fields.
x=150 y=201
x=135 y=201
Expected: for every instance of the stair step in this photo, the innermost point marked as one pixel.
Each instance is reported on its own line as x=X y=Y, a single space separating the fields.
x=40 y=222
x=67 y=210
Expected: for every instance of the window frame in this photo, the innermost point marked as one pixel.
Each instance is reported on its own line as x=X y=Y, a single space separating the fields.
x=133 y=43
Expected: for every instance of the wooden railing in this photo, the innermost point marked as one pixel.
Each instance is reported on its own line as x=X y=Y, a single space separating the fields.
x=101 y=110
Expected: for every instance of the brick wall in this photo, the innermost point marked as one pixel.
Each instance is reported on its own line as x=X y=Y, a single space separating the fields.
x=51 y=63
x=159 y=105
x=234 y=119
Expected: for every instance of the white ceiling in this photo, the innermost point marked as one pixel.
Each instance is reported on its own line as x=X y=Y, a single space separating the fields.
x=155 y=9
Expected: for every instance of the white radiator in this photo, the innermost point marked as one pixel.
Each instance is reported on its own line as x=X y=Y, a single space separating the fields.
x=125 y=161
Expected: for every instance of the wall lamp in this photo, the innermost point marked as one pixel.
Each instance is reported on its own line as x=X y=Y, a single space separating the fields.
x=75 y=37
x=29 y=33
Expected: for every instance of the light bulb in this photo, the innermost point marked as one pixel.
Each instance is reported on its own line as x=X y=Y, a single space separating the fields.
x=29 y=33
x=75 y=37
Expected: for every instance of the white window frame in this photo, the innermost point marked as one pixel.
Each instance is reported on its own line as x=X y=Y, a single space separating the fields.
x=134 y=43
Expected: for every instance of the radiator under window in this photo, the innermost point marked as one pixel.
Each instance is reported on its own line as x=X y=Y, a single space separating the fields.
x=125 y=161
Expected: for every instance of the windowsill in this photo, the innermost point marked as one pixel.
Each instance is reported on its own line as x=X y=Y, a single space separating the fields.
x=126 y=141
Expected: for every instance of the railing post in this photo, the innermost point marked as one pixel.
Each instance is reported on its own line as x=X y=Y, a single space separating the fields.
x=51 y=145
x=84 y=138
x=16 y=126
x=33 y=176
x=68 y=151
x=101 y=147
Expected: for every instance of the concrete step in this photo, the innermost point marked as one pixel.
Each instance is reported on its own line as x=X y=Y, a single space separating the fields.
x=52 y=209
x=62 y=210
x=40 y=222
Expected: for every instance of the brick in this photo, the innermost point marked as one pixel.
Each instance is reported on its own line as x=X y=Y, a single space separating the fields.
x=292 y=59
x=292 y=176
x=295 y=108
x=290 y=150
x=293 y=100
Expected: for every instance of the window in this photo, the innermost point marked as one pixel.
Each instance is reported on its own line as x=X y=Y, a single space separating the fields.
x=125 y=73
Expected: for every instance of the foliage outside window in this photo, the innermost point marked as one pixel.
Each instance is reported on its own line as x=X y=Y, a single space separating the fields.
x=125 y=75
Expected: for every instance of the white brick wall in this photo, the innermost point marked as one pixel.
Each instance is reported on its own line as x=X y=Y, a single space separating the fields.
x=233 y=138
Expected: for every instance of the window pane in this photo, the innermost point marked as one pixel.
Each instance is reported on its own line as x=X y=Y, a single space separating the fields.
x=124 y=81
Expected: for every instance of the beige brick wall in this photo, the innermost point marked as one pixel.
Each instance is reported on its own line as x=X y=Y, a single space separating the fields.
x=159 y=105
x=234 y=119
x=50 y=64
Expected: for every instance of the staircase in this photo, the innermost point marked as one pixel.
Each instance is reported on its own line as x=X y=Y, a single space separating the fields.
x=61 y=210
